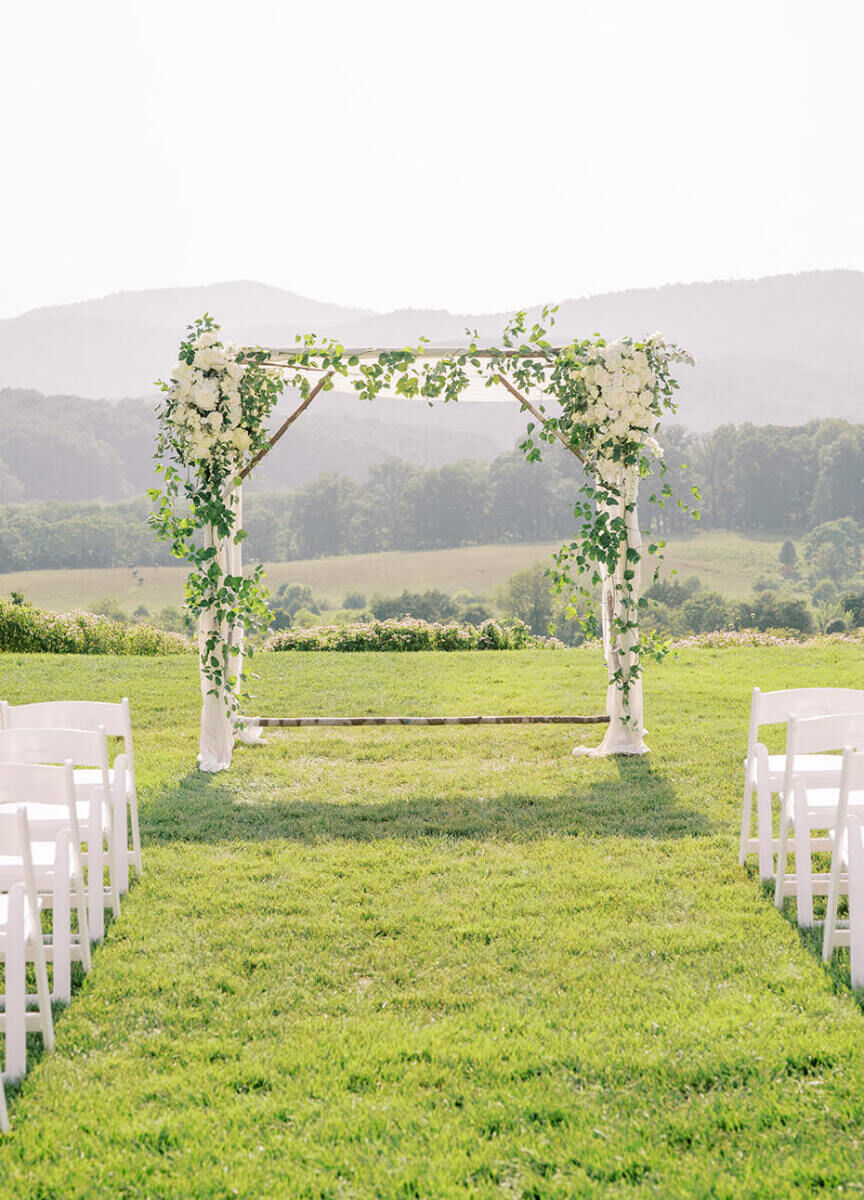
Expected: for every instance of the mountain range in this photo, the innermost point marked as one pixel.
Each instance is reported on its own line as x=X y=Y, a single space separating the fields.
x=779 y=350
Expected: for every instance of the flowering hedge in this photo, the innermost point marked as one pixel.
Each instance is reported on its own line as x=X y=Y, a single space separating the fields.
x=34 y=631
x=725 y=639
x=408 y=634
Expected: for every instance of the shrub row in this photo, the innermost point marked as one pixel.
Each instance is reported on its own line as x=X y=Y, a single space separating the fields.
x=31 y=630
x=723 y=639
x=409 y=634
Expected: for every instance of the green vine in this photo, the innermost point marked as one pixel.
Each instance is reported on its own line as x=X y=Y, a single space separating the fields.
x=602 y=400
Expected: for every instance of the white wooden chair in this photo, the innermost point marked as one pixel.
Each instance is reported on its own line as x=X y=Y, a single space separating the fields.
x=810 y=802
x=764 y=773
x=47 y=796
x=100 y=803
x=116 y=719
x=21 y=942
x=844 y=857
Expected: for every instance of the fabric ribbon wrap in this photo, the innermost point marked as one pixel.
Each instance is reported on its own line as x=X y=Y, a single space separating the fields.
x=625 y=733
x=219 y=730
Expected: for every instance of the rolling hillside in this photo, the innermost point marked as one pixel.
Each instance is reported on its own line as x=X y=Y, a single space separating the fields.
x=781 y=350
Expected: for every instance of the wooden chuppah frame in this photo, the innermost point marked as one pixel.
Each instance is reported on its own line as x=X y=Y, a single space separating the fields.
x=614 y=742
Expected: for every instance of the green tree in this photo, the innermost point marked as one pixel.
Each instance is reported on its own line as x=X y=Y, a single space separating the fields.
x=527 y=597
x=834 y=549
x=788 y=557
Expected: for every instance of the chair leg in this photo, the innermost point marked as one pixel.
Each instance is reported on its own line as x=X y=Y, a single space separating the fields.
x=136 y=833
x=782 y=856
x=83 y=921
x=15 y=996
x=120 y=847
x=831 y=903
x=43 y=993
x=803 y=870
x=856 y=926
x=95 y=884
x=766 y=832
x=61 y=940
x=746 y=817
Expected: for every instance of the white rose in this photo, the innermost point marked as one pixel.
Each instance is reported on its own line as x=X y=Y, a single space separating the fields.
x=601 y=377
x=214 y=420
x=234 y=415
x=235 y=371
x=206 y=395
x=205 y=340
x=211 y=358
x=182 y=373
x=632 y=383
x=616 y=397
x=241 y=440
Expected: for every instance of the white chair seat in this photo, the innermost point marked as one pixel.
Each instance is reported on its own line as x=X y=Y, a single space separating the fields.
x=44 y=812
x=29 y=930
x=43 y=854
x=91 y=776
x=826 y=800
x=803 y=764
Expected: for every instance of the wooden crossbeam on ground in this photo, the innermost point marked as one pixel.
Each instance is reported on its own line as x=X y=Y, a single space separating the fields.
x=312 y=722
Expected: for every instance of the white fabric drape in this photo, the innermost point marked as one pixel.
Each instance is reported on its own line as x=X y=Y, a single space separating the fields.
x=217 y=728
x=625 y=733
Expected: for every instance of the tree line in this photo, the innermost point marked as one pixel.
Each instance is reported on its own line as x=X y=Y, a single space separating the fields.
x=751 y=478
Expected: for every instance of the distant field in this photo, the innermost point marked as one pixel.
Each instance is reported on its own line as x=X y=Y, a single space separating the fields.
x=727 y=562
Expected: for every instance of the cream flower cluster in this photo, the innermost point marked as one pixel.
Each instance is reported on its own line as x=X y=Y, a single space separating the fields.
x=207 y=406
x=621 y=385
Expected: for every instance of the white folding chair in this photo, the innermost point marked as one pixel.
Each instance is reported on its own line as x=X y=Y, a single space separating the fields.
x=99 y=802
x=843 y=854
x=810 y=802
x=21 y=942
x=47 y=796
x=116 y=720
x=764 y=772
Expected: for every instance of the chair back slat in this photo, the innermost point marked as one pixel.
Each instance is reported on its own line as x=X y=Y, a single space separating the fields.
x=15 y=842
x=852 y=776
x=85 y=747
x=20 y=782
x=775 y=708
x=68 y=714
x=813 y=735
x=51 y=787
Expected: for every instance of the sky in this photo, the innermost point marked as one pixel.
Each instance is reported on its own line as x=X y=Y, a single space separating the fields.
x=477 y=155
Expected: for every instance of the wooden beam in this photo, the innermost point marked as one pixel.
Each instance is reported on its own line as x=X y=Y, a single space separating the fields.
x=284 y=426
x=426 y=352
x=536 y=413
x=313 y=722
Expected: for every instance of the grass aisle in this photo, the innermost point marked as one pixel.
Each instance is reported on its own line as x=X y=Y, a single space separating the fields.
x=445 y=962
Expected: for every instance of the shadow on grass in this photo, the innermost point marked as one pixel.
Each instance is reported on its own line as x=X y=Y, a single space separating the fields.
x=837 y=969
x=638 y=803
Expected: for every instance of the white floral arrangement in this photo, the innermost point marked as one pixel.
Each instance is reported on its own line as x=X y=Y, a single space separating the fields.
x=214 y=403
x=624 y=384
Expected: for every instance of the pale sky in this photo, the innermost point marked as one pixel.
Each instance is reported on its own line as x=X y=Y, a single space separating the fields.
x=473 y=155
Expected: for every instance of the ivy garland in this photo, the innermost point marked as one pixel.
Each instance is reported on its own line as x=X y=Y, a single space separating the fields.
x=212 y=422
x=609 y=398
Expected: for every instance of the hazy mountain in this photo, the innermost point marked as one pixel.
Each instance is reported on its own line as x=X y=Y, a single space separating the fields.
x=71 y=448
x=778 y=350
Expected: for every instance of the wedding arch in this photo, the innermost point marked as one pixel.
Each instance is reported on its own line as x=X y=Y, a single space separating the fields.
x=603 y=401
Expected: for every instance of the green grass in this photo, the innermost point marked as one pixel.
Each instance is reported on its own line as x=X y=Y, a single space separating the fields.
x=727 y=562
x=445 y=962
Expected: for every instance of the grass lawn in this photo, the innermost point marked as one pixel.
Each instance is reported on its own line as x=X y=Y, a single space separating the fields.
x=445 y=962
x=726 y=562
